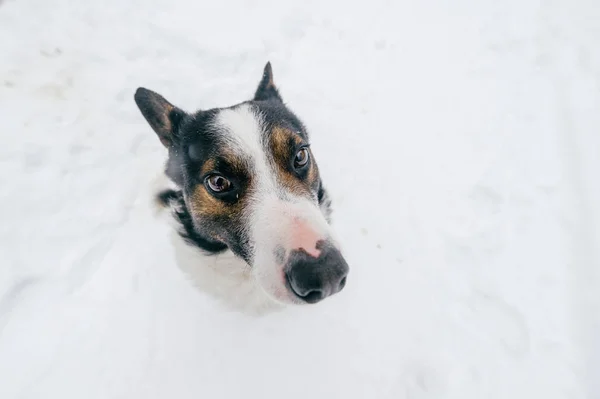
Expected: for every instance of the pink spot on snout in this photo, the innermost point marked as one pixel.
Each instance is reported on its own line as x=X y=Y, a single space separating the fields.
x=304 y=237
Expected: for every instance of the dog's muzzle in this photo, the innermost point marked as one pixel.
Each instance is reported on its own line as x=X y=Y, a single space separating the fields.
x=297 y=259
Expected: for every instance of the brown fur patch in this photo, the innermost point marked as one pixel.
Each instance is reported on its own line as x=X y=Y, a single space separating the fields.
x=205 y=205
x=208 y=166
x=280 y=146
x=280 y=138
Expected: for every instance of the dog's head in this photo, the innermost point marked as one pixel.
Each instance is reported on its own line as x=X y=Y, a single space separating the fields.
x=250 y=183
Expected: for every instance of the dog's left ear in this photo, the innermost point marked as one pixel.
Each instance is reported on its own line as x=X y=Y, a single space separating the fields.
x=266 y=88
x=161 y=115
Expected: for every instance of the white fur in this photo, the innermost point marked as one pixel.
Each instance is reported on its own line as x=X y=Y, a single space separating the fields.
x=225 y=277
x=243 y=128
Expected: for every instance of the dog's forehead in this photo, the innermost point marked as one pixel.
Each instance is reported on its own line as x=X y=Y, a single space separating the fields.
x=241 y=130
x=245 y=130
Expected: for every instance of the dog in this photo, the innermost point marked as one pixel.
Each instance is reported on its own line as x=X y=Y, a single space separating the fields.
x=252 y=216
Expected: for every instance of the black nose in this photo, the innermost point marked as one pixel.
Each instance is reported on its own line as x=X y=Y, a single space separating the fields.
x=313 y=279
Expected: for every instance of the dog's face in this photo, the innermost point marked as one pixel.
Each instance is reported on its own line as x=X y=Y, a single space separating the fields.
x=250 y=183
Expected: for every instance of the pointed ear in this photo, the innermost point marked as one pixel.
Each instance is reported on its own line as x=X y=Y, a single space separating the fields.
x=266 y=88
x=162 y=116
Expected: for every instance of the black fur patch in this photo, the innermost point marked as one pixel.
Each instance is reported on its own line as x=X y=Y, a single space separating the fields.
x=174 y=200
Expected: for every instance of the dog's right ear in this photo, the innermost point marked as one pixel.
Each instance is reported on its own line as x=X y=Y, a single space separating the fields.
x=266 y=89
x=161 y=115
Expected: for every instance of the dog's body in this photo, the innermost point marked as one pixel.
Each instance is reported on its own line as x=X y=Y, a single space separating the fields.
x=249 y=207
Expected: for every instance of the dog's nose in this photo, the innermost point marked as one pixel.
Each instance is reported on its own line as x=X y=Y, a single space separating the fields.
x=314 y=279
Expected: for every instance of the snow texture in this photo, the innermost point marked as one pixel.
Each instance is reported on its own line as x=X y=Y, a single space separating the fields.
x=460 y=143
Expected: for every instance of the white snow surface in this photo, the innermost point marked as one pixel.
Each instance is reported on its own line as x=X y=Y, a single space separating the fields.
x=460 y=142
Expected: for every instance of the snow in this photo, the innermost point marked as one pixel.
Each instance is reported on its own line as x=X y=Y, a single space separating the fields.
x=460 y=144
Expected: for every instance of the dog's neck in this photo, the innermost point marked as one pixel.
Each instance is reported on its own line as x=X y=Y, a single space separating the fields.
x=210 y=265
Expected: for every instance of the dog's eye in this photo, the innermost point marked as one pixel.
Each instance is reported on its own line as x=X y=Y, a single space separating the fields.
x=218 y=183
x=301 y=158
